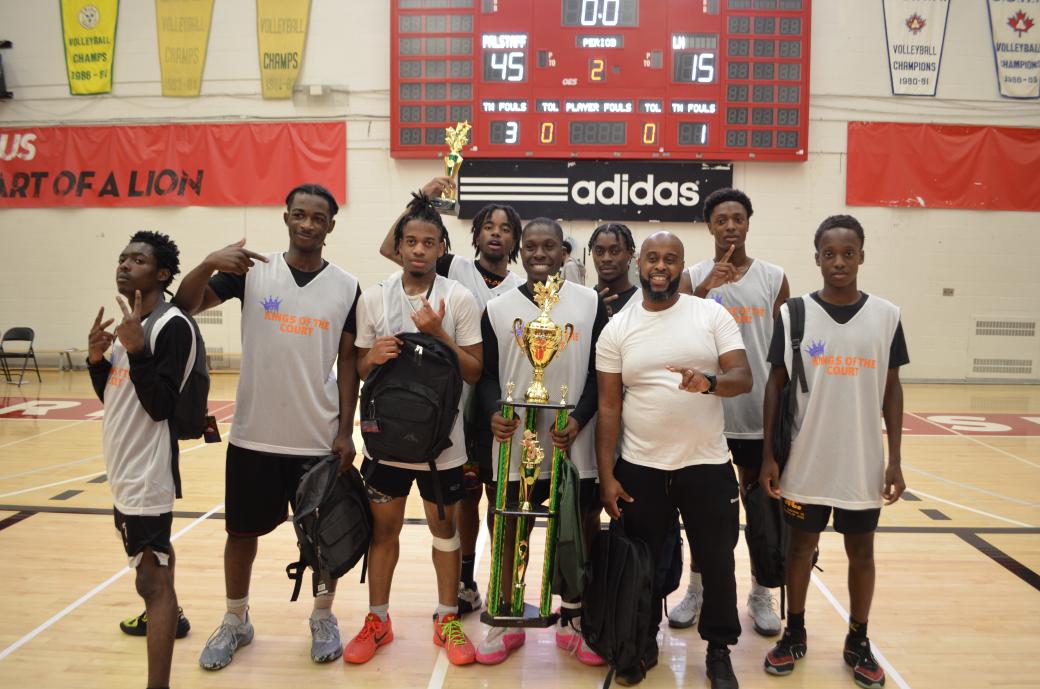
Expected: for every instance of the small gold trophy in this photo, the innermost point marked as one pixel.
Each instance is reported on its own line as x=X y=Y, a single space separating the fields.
x=456 y=137
x=530 y=467
x=541 y=339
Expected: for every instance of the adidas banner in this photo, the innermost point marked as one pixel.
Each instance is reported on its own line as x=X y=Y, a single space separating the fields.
x=622 y=190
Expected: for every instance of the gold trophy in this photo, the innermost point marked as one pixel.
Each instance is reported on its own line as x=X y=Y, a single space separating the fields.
x=541 y=339
x=456 y=137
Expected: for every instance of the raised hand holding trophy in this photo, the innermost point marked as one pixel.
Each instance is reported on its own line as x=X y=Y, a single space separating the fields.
x=456 y=137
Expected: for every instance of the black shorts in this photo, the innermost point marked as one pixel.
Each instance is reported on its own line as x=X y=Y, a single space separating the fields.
x=588 y=494
x=144 y=531
x=258 y=489
x=747 y=452
x=397 y=482
x=814 y=518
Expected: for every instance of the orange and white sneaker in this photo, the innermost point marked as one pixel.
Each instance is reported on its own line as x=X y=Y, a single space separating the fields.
x=374 y=633
x=448 y=634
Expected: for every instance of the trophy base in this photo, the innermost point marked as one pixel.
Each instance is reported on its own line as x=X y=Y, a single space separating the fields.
x=535 y=405
x=536 y=511
x=446 y=206
x=530 y=618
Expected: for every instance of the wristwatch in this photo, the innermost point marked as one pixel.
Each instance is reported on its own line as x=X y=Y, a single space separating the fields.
x=712 y=383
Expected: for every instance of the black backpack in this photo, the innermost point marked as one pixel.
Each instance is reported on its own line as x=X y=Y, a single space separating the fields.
x=615 y=612
x=189 y=414
x=767 y=535
x=409 y=404
x=333 y=524
x=786 y=411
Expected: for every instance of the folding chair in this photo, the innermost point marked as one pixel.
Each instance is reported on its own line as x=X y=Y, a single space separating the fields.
x=18 y=335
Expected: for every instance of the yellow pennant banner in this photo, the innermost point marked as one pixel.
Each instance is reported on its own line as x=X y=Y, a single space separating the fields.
x=281 y=31
x=89 y=33
x=183 y=28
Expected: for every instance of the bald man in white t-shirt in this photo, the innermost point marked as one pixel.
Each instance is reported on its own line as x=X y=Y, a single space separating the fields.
x=674 y=356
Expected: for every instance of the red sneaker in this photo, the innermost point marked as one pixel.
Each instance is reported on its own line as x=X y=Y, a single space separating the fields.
x=374 y=633
x=447 y=633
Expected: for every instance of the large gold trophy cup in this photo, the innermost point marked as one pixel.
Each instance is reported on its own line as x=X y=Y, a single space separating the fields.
x=541 y=340
x=456 y=137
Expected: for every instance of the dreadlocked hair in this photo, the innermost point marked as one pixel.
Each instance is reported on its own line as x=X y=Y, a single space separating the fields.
x=620 y=232
x=165 y=250
x=421 y=208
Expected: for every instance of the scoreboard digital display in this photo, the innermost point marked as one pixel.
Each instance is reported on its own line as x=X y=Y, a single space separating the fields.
x=671 y=79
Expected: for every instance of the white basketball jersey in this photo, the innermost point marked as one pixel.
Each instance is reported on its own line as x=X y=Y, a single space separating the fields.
x=288 y=401
x=464 y=271
x=750 y=300
x=837 y=456
x=570 y=367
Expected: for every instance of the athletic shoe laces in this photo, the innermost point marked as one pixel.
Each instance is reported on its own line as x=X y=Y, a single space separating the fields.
x=372 y=621
x=451 y=632
x=324 y=630
x=223 y=637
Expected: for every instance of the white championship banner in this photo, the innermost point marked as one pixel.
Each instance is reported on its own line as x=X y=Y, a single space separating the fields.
x=914 y=32
x=1016 y=46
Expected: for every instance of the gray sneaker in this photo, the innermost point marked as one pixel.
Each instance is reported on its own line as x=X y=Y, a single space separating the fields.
x=222 y=644
x=685 y=614
x=760 y=610
x=325 y=642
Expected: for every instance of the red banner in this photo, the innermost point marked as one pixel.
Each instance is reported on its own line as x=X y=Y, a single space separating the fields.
x=253 y=164
x=943 y=166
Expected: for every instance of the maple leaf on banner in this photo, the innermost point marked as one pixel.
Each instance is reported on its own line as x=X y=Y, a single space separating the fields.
x=1020 y=22
x=915 y=23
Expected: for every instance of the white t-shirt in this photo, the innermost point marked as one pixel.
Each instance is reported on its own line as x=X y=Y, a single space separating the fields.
x=461 y=321
x=665 y=427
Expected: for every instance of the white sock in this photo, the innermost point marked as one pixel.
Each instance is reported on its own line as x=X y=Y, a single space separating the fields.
x=443 y=610
x=323 y=606
x=239 y=607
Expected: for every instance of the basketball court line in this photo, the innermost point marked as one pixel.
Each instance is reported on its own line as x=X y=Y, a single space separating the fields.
x=52 y=466
x=890 y=670
x=80 y=478
x=440 y=668
x=93 y=592
x=972 y=509
x=975 y=439
x=968 y=486
x=40 y=435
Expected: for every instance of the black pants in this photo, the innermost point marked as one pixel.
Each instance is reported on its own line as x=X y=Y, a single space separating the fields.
x=707 y=498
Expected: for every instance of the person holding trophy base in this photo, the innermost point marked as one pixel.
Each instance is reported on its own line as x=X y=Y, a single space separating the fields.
x=541 y=252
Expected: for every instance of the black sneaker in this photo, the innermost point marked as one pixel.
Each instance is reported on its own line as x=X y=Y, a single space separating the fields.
x=469 y=599
x=631 y=676
x=780 y=660
x=720 y=669
x=138 y=626
x=865 y=669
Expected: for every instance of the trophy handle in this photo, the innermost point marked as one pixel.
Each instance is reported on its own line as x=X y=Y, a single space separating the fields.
x=518 y=333
x=568 y=333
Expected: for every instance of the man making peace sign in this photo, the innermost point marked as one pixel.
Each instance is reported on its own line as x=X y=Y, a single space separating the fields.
x=139 y=383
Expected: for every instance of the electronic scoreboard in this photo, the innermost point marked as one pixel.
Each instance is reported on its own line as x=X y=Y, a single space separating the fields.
x=679 y=79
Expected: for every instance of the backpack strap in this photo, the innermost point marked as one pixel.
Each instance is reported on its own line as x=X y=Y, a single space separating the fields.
x=294 y=570
x=796 y=309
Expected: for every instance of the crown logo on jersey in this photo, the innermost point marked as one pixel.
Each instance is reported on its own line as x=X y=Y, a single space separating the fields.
x=816 y=348
x=272 y=304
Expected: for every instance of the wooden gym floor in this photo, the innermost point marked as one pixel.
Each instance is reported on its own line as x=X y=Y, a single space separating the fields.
x=957 y=601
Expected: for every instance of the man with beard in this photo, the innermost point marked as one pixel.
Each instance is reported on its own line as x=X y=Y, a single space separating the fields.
x=541 y=250
x=496 y=236
x=674 y=356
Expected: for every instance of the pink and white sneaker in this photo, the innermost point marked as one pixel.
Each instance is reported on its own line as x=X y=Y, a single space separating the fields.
x=499 y=643
x=568 y=638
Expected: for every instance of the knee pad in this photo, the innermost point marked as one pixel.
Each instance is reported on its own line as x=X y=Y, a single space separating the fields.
x=447 y=545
